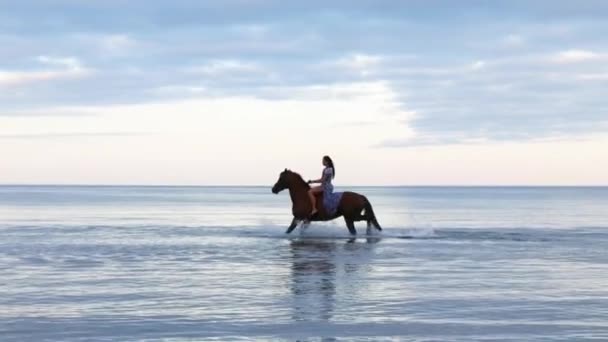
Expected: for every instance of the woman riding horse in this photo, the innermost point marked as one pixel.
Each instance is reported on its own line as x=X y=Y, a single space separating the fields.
x=329 y=173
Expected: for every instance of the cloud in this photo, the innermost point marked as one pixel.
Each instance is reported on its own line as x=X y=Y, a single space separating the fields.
x=399 y=74
x=179 y=90
x=360 y=63
x=575 y=56
x=75 y=135
x=70 y=63
x=513 y=41
x=15 y=78
x=504 y=82
x=593 y=76
x=116 y=43
x=62 y=68
x=227 y=66
x=46 y=112
x=478 y=65
x=8 y=78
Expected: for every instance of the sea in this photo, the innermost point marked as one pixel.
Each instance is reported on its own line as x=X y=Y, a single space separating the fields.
x=172 y=263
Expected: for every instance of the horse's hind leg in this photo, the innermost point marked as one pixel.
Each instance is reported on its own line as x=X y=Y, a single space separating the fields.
x=350 y=224
x=292 y=226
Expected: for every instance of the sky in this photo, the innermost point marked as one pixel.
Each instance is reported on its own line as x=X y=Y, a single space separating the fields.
x=231 y=92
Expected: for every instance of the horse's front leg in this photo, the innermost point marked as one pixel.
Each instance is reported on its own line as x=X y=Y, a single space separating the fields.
x=305 y=224
x=292 y=226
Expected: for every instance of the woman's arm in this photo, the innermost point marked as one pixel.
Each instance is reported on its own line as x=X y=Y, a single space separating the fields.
x=323 y=178
x=320 y=180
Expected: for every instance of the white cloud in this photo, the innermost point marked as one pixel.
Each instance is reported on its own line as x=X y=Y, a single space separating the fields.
x=60 y=68
x=575 y=56
x=68 y=135
x=599 y=76
x=46 y=112
x=513 y=41
x=226 y=66
x=8 y=78
x=179 y=90
x=255 y=31
x=70 y=63
x=12 y=78
x=116 y=43
x=362 y=64
x=359 y=61
x=478 y=65
x=190 y=136
x=569 y=161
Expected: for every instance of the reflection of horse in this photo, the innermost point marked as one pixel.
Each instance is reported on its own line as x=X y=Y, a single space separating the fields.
x=313 y=273
x=351 y=205
x=319 y=268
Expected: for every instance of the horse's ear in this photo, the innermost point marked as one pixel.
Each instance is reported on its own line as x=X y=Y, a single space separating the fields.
x=285 y=169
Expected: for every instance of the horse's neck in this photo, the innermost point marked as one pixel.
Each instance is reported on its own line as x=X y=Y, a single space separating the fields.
x=298 y=194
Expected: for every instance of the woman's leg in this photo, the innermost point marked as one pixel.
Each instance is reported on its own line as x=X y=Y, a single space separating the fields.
x=311 y=194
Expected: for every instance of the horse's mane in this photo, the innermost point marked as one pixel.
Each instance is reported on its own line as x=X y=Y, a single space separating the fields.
x=299 y=179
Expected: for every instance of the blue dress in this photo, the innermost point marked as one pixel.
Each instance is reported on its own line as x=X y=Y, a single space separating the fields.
x=331 y=199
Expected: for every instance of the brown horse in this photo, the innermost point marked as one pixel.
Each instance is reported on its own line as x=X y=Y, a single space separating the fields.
x=351 y=205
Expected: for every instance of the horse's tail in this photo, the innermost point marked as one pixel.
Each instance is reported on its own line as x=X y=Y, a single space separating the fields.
x=369 y=214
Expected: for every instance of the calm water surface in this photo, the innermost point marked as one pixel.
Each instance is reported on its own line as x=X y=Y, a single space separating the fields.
x=200 y=263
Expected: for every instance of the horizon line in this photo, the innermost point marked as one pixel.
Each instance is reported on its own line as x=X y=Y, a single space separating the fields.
x=337 y=186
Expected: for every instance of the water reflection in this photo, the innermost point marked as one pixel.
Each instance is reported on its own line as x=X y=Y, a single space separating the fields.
x=313 y=275
x=322 y=270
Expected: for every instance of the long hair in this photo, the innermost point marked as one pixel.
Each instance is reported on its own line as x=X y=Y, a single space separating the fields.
x=330 y=163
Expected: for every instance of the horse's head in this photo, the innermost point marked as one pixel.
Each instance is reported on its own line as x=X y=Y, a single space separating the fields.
x=289 y=180
x=282 y=183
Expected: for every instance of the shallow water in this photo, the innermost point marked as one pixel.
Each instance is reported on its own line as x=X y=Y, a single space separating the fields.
x=197 y=263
